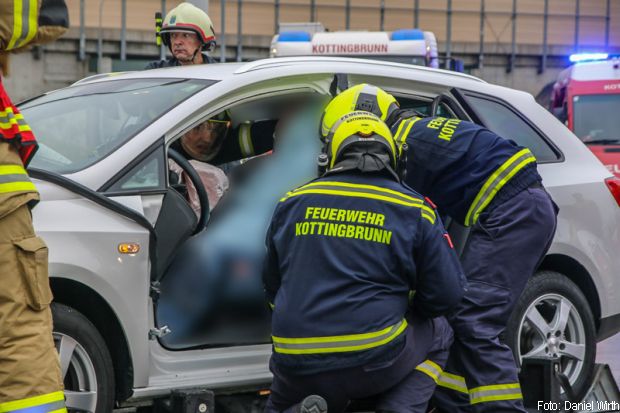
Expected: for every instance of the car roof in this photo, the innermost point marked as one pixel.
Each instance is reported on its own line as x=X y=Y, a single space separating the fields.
x=317 y=64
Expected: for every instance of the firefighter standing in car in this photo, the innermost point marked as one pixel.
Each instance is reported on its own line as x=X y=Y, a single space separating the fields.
x=188 y=33
x=491 y=185
x=344 y=251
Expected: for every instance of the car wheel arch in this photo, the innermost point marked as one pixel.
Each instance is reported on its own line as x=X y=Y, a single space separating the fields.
x=89 y=303
x=578 y=274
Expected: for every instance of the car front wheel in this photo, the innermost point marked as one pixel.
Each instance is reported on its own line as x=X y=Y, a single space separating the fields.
x=553 y=319
x=86 y=365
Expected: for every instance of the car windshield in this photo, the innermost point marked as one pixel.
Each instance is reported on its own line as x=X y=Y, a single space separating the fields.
x=78 y=126
x=596 y=118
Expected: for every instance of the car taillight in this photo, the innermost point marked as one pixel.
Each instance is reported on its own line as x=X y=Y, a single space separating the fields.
x=613 y=184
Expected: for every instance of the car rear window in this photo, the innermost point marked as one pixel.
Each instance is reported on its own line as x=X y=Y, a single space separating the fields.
x=80 y=125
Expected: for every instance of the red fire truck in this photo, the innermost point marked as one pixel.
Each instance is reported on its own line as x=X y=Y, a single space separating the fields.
x=586 y=97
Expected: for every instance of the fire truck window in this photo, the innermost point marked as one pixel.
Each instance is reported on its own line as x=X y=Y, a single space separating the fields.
x=507 y=124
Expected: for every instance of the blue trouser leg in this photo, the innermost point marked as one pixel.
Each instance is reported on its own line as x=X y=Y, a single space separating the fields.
x=504 y=249
x=403 y=383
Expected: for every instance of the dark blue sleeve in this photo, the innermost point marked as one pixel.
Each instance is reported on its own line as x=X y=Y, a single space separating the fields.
x=271 y=266
x=440 y=281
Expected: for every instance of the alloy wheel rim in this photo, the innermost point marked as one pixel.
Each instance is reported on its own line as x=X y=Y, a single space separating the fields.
x=78 y=374
x=552 y=327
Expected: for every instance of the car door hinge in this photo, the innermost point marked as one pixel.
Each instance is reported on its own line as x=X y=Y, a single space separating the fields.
x=155 y=291
x=159 y=332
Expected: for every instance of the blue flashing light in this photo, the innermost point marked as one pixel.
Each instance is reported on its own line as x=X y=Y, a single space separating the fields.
x=294 y=36
x=588 y=57
x=408 y=34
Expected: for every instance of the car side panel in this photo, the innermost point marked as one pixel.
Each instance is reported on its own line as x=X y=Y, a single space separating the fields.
x=83 y=239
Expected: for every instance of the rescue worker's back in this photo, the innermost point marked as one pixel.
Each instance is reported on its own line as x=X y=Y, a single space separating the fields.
x=343 y=254
x=362 y=243
x=461 y=166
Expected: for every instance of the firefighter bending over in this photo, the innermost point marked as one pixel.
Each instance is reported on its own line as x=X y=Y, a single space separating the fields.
x=344 y=253
x=492 y=185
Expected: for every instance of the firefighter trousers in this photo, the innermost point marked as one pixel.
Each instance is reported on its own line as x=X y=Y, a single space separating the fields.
x=403 y=384
x=504 y=249
x=30 y=379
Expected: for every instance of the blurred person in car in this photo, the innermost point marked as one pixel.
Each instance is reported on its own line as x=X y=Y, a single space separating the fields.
x=221 y=266
x=213 y=145
x=189 y=35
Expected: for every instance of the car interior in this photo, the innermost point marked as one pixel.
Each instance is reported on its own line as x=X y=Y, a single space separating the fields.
x=211 y=291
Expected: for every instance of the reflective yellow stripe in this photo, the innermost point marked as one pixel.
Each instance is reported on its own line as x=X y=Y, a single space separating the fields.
x=271 y=305
x=17 y=23
x=17 y=187
x=63 y=410
x=364 y=191
x=363 y=186
x=19 y=38
x=495 y=392
x=403 y=131
x=338 y=344
x=12 y=170
x=32 y=22
x=427 y=213
x=245 y=140
x=453 y=382
x=496 y=181
x=32 y=401
x=431 y=369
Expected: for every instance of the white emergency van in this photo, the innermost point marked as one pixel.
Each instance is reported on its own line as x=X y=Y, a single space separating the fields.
x=411 y=46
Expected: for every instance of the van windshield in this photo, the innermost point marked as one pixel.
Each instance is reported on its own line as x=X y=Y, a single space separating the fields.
x=80 y=125
x=596 y=118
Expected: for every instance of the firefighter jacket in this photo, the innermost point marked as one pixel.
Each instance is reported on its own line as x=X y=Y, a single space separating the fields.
x=462 y=167
x=17 y=145
x=173 y=62
x=14 y=129
x=343 y=254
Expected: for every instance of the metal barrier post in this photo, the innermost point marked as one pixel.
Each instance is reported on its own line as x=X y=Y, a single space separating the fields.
x=82 y=53
x=543 y=61
x=607 y=21
x=123 y=30
x=513 y=49
x=239 y=30
x=577 y=25
x=162 y=48
x=223 y=32
x=416 y=14
x=481 y=53
x=347 y=14
x=276 y=17
x=449 y=34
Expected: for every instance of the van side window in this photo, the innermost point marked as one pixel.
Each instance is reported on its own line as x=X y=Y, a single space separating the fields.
x=507 y=124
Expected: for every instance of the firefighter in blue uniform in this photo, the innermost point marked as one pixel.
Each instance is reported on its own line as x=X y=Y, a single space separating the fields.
x=491 y=185
x=344 y=253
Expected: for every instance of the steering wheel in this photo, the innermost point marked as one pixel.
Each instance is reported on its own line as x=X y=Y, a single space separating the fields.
x=203 y=198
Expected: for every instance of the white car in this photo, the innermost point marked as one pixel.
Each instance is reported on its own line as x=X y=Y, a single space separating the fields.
x=119 y=232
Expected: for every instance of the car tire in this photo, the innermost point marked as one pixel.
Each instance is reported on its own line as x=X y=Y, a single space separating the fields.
x=552 y=317
x=85 y=361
